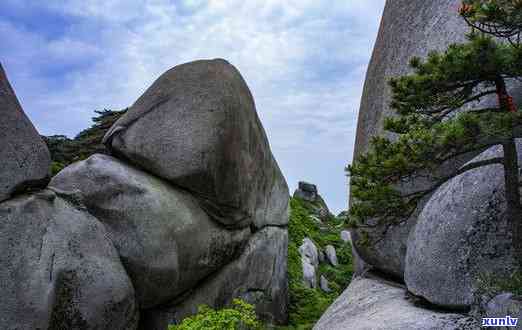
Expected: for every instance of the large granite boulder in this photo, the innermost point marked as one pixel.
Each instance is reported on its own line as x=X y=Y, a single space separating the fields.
x=461 y=235
x=258 y=276
x=166 y=242
x=375 y=304
x=197 y=127
x=25 y=160
x=59 y=269
x=408 y=28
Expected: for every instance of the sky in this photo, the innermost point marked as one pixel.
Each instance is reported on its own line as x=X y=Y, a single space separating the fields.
x=304 y=61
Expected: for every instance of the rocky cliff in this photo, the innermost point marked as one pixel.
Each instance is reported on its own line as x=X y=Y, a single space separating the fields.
x=439 y=257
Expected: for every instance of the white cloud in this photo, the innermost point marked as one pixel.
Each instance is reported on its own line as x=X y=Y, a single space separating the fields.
x=303 y=59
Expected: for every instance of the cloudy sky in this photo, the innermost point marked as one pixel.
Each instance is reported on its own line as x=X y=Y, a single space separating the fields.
x=304 y=61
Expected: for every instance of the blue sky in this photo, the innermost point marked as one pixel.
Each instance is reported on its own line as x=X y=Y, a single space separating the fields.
x=304 y=61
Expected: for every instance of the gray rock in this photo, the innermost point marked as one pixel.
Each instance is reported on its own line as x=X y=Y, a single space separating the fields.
x=346 y=236
x=167 y=243
x=259 y=277
x=331 y=255
x=462 y=233
x=321 y=256
x=25 y=159
x=375 y=304
x=197 y=127
x=59 y=269
x=323 y=284
x=309 y=273
x=505 y=304
x=309 y=250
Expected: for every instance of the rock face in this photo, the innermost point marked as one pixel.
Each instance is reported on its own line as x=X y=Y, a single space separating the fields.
x=166 y=242
x=59 y=269
x=25 y=160
x=461 y=234
x=258 y=276
x=197 y=127
x=373 y=304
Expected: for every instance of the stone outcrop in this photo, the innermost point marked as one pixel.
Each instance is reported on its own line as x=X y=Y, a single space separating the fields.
x=59 y=268
x=372 y=303
x=310 y=262
x=166 y=242
x=331 y=255
x=25 y=161
x=197 y=127
x=306 y=191
x=462 y=234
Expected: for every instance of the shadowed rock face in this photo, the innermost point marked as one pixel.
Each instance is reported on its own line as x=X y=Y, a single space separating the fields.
x=197 y=127
x=24 y=158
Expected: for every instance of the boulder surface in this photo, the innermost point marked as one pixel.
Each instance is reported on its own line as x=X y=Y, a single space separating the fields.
x=25 y=159
x=197 y=127
x=462 y=234
x=375 y=304
x=59 y=269
x=258 y=276
x=167 y=243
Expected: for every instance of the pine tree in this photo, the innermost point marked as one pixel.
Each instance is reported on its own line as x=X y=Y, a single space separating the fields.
x=439 y=118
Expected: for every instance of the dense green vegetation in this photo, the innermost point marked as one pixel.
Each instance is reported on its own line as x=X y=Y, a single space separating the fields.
x=240 y=316
x=65 y=151
x=307 y=305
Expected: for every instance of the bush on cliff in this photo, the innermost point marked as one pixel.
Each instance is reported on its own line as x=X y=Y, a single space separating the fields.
x=240 y=316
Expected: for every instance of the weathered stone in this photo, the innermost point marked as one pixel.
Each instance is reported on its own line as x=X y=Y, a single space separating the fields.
x=331 y=255
x=346 y=236
x=309 y=250
x=462 y=234
x=259 y=277
x=59 y=269
x=197 y=127
x=372 y=303
x=24 y=158
x=323 y=284
x=167 y=243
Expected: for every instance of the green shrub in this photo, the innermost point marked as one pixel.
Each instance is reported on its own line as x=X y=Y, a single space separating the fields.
x=491 y=284
x=241 y=316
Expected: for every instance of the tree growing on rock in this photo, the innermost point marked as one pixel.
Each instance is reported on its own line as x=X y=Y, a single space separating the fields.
x=440 y=117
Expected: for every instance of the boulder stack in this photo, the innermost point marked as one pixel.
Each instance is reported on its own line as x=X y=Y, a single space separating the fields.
x=197 y=128
x=192 y=209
